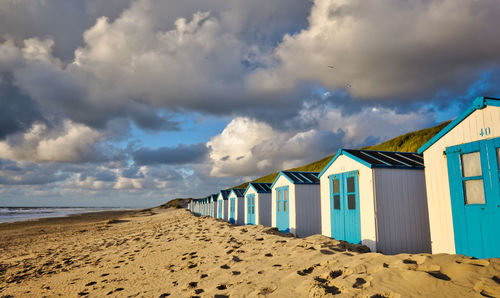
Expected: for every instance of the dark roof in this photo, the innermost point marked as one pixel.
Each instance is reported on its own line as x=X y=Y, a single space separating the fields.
x=261 y=187
x=382 y=159
x=389 y=159
x=214 y=196
x=301 y=177
x=225 y=194
x=239 y=192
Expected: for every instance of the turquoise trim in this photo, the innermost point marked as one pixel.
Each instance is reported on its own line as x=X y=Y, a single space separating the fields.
x=248 y=187
x=236 y=195
x=279 y=175
x=477 y=104
x=343 y=152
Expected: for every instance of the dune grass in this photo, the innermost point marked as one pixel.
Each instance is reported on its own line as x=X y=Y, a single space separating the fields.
x=409 y=142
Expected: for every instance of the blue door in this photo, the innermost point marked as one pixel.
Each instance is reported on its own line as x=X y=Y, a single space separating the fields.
x=212 y=208
x=473 y=172
x=282 y=212
x=219 y=204
x=232 y=210
x=344 y=207
x=251 y=209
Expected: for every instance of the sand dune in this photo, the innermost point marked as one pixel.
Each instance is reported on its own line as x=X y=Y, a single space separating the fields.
x=173 y=253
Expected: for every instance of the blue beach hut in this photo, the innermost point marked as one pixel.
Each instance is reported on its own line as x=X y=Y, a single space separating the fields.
x=295 y=203
x=258 y=204
x=462 y=172
x=236 y=206
x=222 y=205
x=376 y=198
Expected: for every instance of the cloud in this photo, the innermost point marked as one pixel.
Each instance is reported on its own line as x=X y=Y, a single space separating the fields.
x=388 y=49
x=182 y=154
x=249 y=147
x=69 y=143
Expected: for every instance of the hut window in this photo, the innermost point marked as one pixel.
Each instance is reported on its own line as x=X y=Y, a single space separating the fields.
x=336 y=202
x=351 y=202
x=278 y=196
x=471 y=164
x=285 y=200
x=350 y=185
x=472 y=178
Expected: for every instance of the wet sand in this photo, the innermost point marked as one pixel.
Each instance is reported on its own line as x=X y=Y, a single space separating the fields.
x=160 y=253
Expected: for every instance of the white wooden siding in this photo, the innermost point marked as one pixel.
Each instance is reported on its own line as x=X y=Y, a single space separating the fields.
x=436 y=173
x=402 y=215
x=283 y=181
x=215 y=208
x=240 y=210
x=308 y=209
x=366 y=199
x=263 y=209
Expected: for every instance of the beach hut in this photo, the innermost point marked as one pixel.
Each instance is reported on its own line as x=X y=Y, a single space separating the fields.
x=222 y=205
x=213 y=205
x=237 y=206
x=258 y=204
x=463 y=182
x=295 y=203
x=376 y=198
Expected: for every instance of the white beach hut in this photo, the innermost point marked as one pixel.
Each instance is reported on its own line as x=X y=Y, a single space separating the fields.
x=213 y=205
x=222 y=205
x=376 y=198
x=295 y=203
x=236 y=206
x=463 y=182
x=258 y=204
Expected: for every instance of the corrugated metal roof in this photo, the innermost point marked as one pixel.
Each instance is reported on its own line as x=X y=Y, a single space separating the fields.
x=388 y=159
x=225 y=194
x=262 y=187
x=239 y=192
x=302 y=177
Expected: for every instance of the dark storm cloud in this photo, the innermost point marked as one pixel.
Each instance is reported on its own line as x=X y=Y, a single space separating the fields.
x=29 y=174
x=182 y=154
x=63 y=20
x=18 y=111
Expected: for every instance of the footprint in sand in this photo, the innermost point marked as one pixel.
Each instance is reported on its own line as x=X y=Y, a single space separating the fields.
x=193 y=284
x=359 y=283
x=90 y=283
x=268 y=255
x=225 y=266
x=236 y=259
x=221 y=287
x=335 y=274
x=199 y=291
x=203 y=275
x=306 y=271
x=326 y=252
x=236 y=273
x=221 y=296
x=439 y=275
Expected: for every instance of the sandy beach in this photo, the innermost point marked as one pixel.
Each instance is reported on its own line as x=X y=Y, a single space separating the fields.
x=160 y=253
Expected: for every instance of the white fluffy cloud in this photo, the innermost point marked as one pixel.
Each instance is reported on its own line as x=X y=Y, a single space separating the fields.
x=248 y=147
x=389 y=48
x=69 y=143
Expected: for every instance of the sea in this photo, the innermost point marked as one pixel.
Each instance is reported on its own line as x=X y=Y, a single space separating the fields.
x=13 y=214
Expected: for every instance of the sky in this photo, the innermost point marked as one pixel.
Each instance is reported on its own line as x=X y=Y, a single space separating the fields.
x=132 y=103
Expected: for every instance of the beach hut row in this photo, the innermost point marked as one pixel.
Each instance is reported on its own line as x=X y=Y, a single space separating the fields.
x=445 y=198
